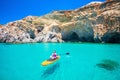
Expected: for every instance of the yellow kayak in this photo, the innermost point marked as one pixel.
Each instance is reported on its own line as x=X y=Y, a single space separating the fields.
x=47 y=62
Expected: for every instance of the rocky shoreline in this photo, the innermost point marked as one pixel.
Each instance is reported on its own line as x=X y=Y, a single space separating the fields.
x=95 y=22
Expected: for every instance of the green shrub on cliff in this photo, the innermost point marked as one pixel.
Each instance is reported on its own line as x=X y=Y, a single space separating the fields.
x=61 y=18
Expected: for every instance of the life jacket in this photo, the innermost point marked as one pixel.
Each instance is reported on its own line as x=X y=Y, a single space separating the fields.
x=54 y=55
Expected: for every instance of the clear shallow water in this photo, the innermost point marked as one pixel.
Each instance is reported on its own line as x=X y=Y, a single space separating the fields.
x=23 y=61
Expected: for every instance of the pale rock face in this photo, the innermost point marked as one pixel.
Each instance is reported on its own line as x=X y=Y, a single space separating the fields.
x=77 y=32
x=95 y=22
x=48 y=37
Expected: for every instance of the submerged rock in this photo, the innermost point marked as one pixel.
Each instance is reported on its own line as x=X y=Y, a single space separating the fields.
x=94 y=22
x=108 y=65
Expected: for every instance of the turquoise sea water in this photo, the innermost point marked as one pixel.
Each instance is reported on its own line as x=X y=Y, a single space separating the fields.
x=23 y=61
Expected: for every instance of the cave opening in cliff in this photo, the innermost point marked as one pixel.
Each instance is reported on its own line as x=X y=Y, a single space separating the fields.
x=73 y=37
x=113 y=37
x=31 y=33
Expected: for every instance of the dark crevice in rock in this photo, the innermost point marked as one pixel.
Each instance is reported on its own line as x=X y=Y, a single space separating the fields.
x=73 y=37
x=31 y=33
x=51 y=36
x=55 y=29
x=39 y=28
x=112 y=37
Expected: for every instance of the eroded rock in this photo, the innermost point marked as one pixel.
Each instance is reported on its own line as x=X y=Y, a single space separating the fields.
x=94 y=22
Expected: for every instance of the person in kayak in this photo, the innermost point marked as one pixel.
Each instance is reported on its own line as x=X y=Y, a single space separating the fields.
x=54 y=55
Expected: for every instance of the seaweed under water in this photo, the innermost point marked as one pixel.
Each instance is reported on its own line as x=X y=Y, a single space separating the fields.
x=108 y=64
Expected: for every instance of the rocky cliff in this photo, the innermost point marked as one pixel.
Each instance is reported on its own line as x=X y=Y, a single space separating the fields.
x=94 y=22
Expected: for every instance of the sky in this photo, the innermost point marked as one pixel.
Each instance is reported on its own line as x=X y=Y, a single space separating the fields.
x=12 y=10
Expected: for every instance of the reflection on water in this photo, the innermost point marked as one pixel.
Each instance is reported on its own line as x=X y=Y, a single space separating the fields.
x=50 y=70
